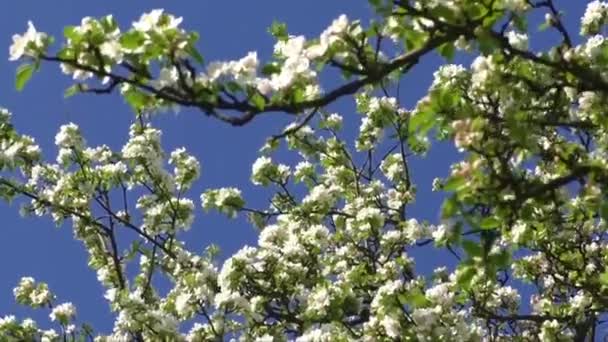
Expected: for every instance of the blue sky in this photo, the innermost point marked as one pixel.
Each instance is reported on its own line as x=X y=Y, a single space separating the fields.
x=228 y=29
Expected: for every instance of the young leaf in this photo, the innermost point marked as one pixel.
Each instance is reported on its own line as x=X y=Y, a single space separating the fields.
x=71 y=91
x=24 y=73
x=489 y=223
x=258 y=101
x=454 y=183
x=472 y=248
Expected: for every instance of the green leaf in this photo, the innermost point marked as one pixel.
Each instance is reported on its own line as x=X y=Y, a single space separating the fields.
x=448 y=98
x=421 y=119
x=298 y=95
x=489 y=222
x=454 y=183
x=24 y=73
x=233 y=87
x=70 y=32
x=491 y=20
x=415 y=298
x=487 y=43
x=132 y=252
x=375 y=3
x=71 y=91
x=132 y=40
x=271 y=68
x=604 y=210
x=465 y=276
x=503 y=259
x=447 y=50
x=136 y=100
x=544 y=26
x=604 y=278
x=279 y=30
x=193 y=52
x=472 y=248
x=258 y=101
x=520 y=23
x=414 y=39
x=449 y=208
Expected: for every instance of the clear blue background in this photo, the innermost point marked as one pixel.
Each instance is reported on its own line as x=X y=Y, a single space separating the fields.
x=228 y=29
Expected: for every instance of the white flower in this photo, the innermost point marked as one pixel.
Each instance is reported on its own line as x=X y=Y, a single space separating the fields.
x=331 y=35
x=333 y=121
x=317 y=334
x=70 y=328
x=265 y=338
x=580 y=301
x=391 y=326
x=114 y=169
x=156 y=20
x=187 y=168
x=87 y=24
x=26 y=286
x=259 y=168
x=41 y=296
x=392 y=167
x=217 y=69
x=518 y=40
x=264 y=86
x=148 y=21
x=518 y=232
x=246 y=67
x=63 y=313
x=447 y=75
x=516 y=5
x=382 y=104
x=7 y=321
x=395 y=199
x=29 y=324
x=592 y=247
x=303 y=170
x=49 y=336
x=166 y=78
x=69 y=136
x=112 y=49
x=182 y=302
x=441 y=294
x=594 y=46
x=594 y=17
x=425 y=318
x=483 y=69
x=111 y=294
x=296 y=64
x=338 y=26
x=21 y=43
x=440 y=233
x=319 y=301
x=371 y=215
x=226 y=298
x=292 y=47
x=226 y=200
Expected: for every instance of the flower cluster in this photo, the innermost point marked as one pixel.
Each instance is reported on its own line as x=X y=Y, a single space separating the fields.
x=63 y=313
x=594 y=18
x=377 y=115
x=187 y=168
x=263 y=172
x=31 y=43
x=226 y=200
x=33 y=294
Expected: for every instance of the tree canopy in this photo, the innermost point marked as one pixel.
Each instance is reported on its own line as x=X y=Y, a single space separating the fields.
x=525 y=209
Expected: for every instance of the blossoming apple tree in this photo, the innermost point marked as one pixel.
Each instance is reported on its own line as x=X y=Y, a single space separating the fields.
x=525 y=206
